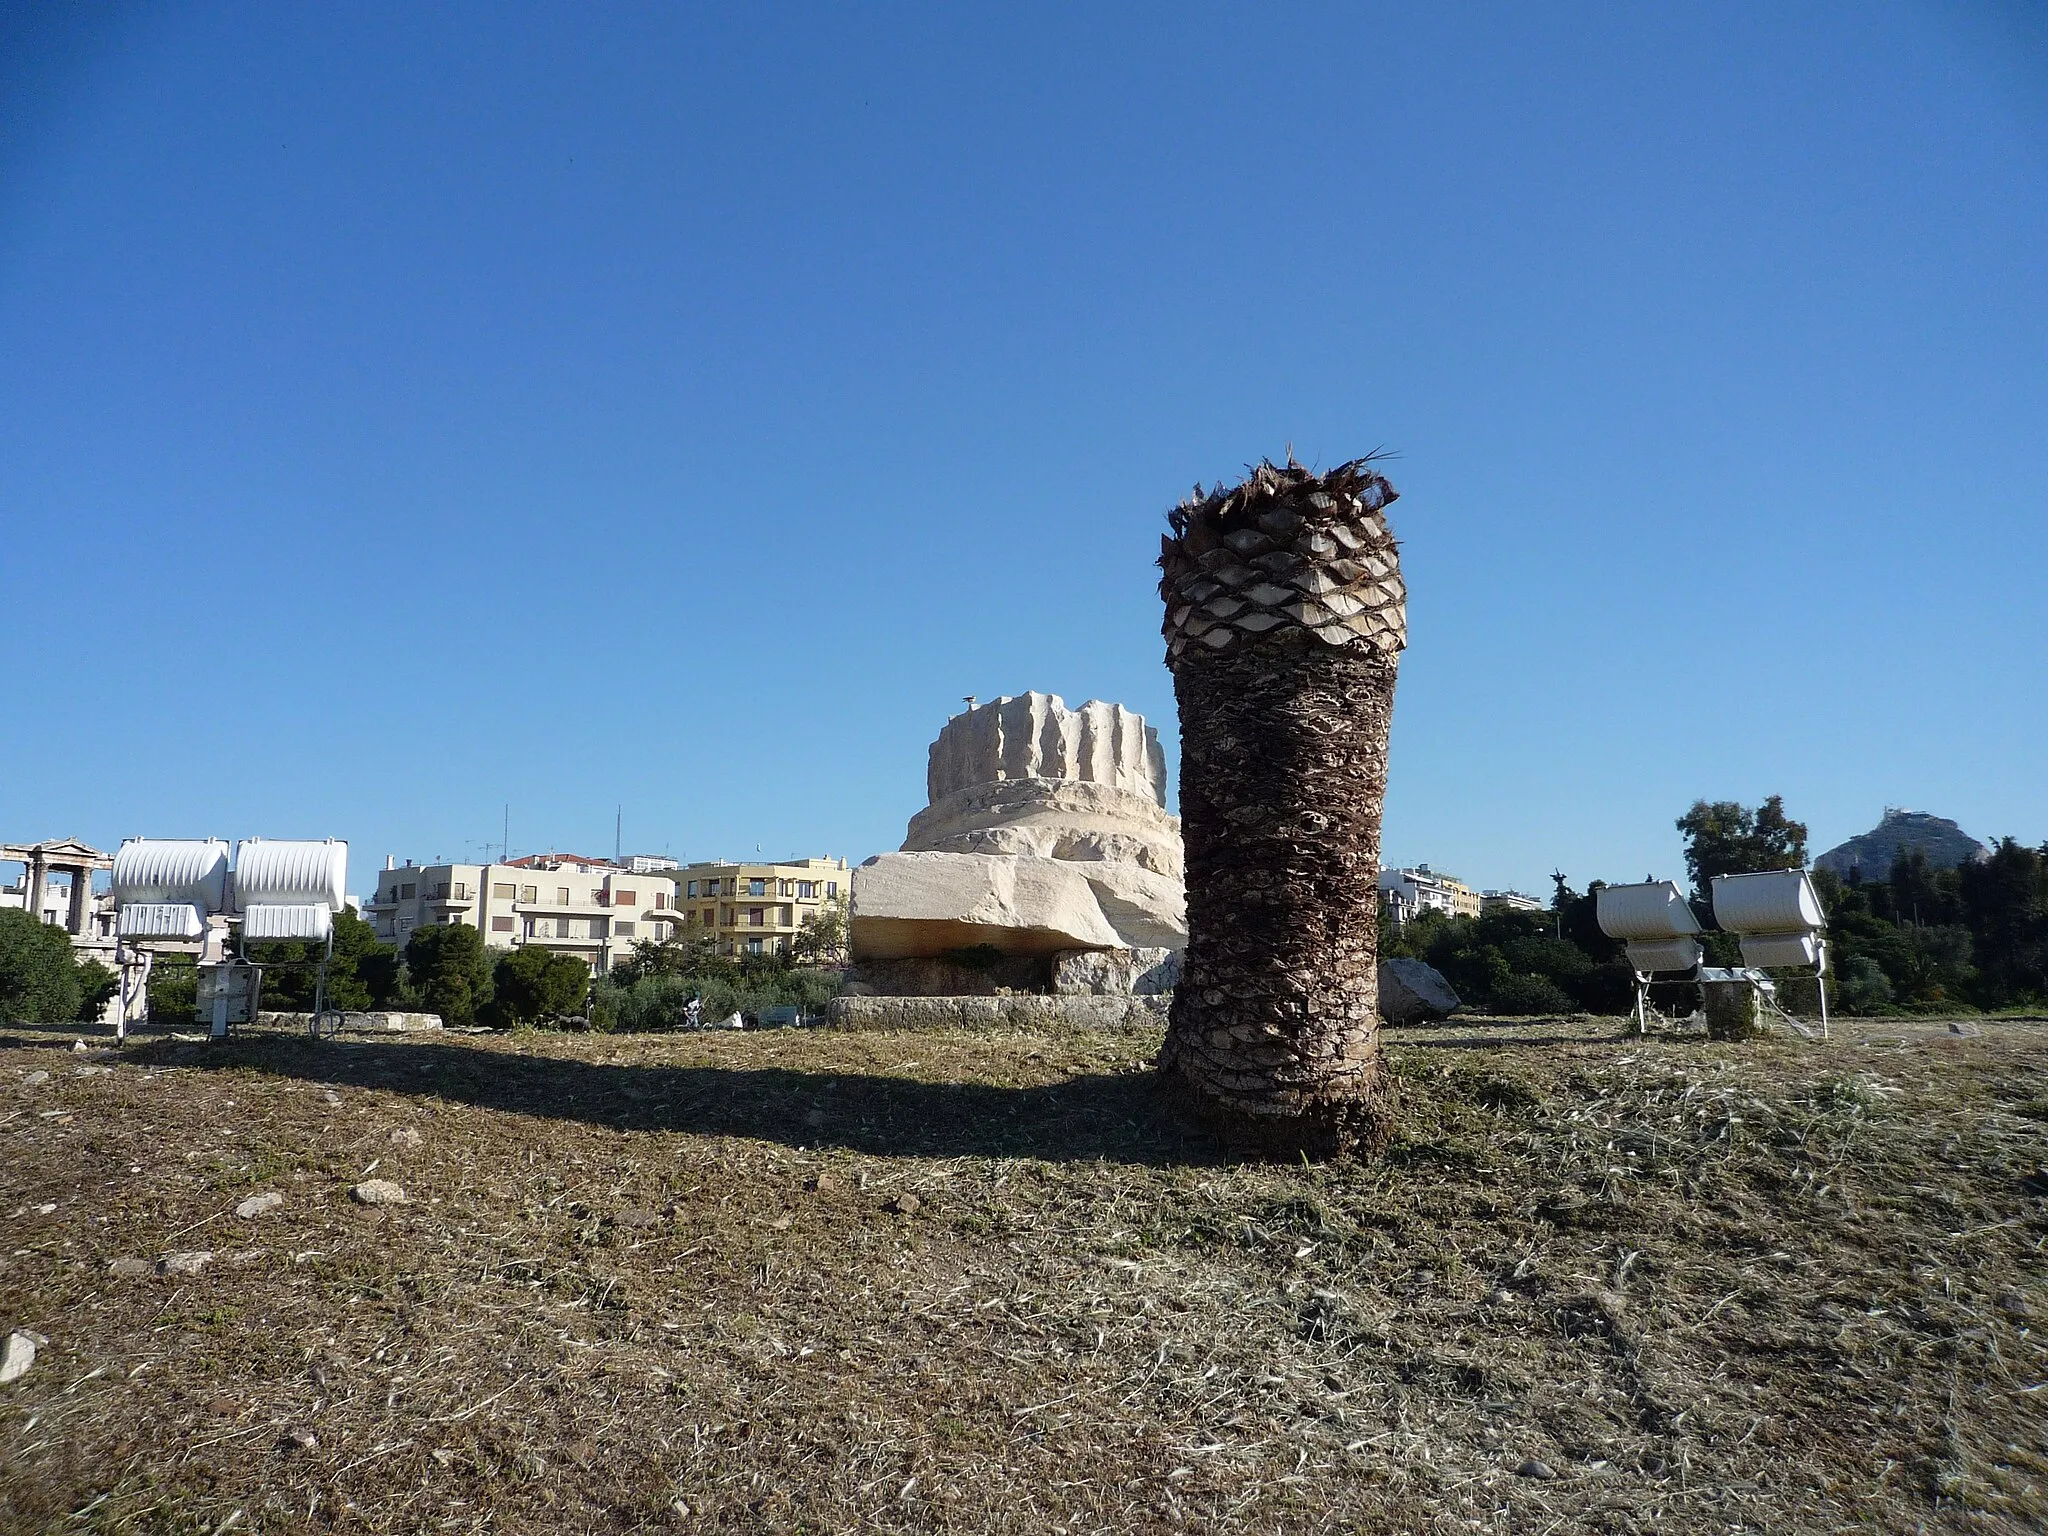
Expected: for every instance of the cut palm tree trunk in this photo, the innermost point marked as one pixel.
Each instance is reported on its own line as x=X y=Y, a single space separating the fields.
x=1285 y=619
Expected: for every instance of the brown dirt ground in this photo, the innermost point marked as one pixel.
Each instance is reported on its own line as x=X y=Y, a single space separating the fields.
x=675 y=1284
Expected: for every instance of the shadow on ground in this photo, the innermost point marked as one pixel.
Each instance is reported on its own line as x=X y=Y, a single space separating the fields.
x=1119 y=1117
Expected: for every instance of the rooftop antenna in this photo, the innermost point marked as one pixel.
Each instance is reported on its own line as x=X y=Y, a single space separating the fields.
x=618 y=831
x=505 y=847
x=967 y=699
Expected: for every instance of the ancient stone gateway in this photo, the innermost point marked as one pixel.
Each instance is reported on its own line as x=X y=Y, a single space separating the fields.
x=1285 y=620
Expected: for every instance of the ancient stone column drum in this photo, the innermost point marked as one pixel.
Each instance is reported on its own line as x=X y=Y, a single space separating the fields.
x=1285 y=619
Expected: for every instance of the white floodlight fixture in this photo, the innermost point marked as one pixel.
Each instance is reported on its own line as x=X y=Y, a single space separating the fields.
x=1776 y=915
x=164 y=891
x=291 y=890
x=1657 y=929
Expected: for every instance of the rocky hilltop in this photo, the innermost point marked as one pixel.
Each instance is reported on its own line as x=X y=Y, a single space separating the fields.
x=1899 y=833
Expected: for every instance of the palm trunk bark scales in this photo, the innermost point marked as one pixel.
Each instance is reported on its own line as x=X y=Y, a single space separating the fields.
x=1285 y=619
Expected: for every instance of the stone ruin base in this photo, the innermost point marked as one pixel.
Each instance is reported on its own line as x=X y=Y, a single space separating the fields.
x=368 y=1023
x=997 y=1015
x=1068 y=973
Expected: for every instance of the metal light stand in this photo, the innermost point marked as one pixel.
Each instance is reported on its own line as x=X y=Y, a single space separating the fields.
x=320 y=992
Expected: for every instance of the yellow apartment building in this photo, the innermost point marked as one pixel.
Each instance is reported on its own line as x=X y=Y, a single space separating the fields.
x=756 y=909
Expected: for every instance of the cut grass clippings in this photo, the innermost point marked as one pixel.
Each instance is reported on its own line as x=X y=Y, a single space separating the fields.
x=817 y=1281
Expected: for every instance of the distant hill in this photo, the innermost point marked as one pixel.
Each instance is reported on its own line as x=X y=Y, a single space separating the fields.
x=1945 y=844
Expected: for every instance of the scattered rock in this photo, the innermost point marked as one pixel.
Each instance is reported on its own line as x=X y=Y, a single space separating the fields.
x=637 y=1216
x=1500 y=1298
x=905 y=1204
x=79 y=1048
x=1958 y=1027
x=35 y=1079
x=184 y=1263
x=379 y=1192
x=1541 y=1470
x=1413 y=993
x=17 y=1356
x=301 y=1437
x=256 y=1205
x=130 y=1268
x=821 y=1182
x=406 y=1136
x=2014 y=1305
x=1116 y=972
x=332 y=1097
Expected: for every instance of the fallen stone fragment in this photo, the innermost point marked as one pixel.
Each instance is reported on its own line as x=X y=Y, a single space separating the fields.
x=821 y=1181
x=379 y=1192
x=909 y=905
x=905 y=1204
x=256 y=1205
x=1541 y=1470
x=35 y=1079
x=405 y=1136
x=184 y=1263
x=1412 y=992
x=130 y=1268
x=333 y=1098
x=17 y=1356
x=79 y=1047
x=636 y=1216
x=303 y=1438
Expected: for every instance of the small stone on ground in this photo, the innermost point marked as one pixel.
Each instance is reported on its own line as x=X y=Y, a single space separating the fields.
x=379 y=1192
x=184 y=1263
x=256 y=1205
x=18 y=1355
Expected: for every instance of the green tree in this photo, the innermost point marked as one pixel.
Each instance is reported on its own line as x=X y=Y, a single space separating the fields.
x=39 y=977
x=822 y=941
x=362 y=974
x=1727 y=838
x=2004 y=902
x=97 y=984
x=449 y=970
x=533 y=985
x=173 y=990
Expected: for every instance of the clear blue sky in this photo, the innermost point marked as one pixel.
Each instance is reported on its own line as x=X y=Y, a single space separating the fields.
x=407 y=409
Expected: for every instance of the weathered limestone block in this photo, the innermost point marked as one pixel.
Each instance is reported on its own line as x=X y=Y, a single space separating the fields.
x=1053 y=819
x=1073 y=798
x=1412 y=992
x=907 y=905
x=1116 y=973
x=1035 y=736
x=1148 y=911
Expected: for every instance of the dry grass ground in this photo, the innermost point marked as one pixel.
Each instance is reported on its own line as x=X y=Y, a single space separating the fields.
x=679 y=1284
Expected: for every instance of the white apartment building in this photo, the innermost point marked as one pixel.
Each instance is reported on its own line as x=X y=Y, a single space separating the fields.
x=589 y=908
x=1409 y=893
x=1511 y=901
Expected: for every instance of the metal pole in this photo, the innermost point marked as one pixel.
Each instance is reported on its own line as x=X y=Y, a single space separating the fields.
x=1820 y=979
x=320 y=985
